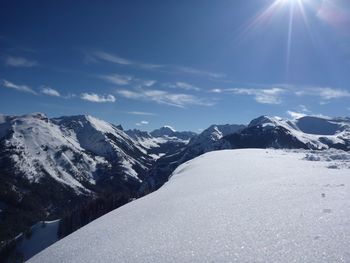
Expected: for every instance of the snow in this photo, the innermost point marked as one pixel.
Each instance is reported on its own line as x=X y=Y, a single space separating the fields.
x=313 y=131
x=157 y=156
x=41 y=238
x=335 y=159
x=37 y=140
x=235 y=205
x=69 y=149
x=129 y=170
x=169 y=127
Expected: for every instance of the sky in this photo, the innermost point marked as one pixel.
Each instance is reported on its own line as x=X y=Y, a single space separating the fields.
x=187 y=64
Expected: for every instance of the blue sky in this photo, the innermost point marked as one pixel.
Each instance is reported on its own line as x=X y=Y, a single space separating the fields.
x=188 y=64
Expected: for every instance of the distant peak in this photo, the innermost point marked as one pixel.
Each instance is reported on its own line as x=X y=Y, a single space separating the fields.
x=38 y=115
x=168 y=127
x=261 y=120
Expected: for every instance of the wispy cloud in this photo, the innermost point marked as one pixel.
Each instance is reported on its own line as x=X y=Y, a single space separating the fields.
x=99 y=56
x=141 y=113
x=264 y=96
x=50 y=92
x=112 y=58
x=93 y=97
x=325 y=93
x=142 y=123
x=182 y=85
x=194 y=71
x=303 y=108
x=117 y=79
x=23 y=88
x=122 y=80
x=19 y=62
x=148 y=83
x=164 y=97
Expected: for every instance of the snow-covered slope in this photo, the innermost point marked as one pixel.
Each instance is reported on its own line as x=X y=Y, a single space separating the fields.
x=69 y=149
x=48 y=166
x=233 y=205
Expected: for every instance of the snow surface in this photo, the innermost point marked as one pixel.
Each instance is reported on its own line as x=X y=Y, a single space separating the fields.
x=236 y=205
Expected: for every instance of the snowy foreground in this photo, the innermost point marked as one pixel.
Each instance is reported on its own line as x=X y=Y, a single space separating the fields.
x=235 y=205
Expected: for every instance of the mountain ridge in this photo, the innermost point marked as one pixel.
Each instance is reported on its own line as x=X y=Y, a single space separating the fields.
x=51 y=165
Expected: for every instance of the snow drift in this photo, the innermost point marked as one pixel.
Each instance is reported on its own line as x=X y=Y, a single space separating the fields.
x=234 y=205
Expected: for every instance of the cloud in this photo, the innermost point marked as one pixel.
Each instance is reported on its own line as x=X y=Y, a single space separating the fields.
x=50 y=92
x=97 y=56
x=216 y=90
x=19 y=62
x=142 y=123
x=194 y=71
x=148 y=83
x=263 y=96
x=117 y=79
x=23 y=88
x=325 y=93
x=112 y=58
x=296 y=115
x=303 y=108
x=123 y=80
x=164 y=97
x=183 y=85
x=93 y=97
x=141 y=113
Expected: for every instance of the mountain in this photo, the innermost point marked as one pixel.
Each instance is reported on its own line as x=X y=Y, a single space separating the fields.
x=244 y=205
x=82 y=167
x=209 y=140
x=161 y=142
x=49 y=166
x=167 y=131
x=308 y=132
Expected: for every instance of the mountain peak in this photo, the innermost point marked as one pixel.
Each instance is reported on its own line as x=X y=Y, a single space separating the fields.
x=168 y=127
x=163 y=131
x=263 y=120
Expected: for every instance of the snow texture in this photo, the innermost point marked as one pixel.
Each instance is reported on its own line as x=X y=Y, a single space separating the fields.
x=226 y=206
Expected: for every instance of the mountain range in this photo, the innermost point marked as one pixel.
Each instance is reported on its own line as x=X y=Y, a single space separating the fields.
x=49 y=166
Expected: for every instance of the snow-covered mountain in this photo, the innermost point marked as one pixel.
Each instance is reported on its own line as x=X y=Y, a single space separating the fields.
x=50 y=165
x=248 y=205
x=308 y=132
x=209 y=140
x=167 y=131
x=206 y=141
x=161 y=142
